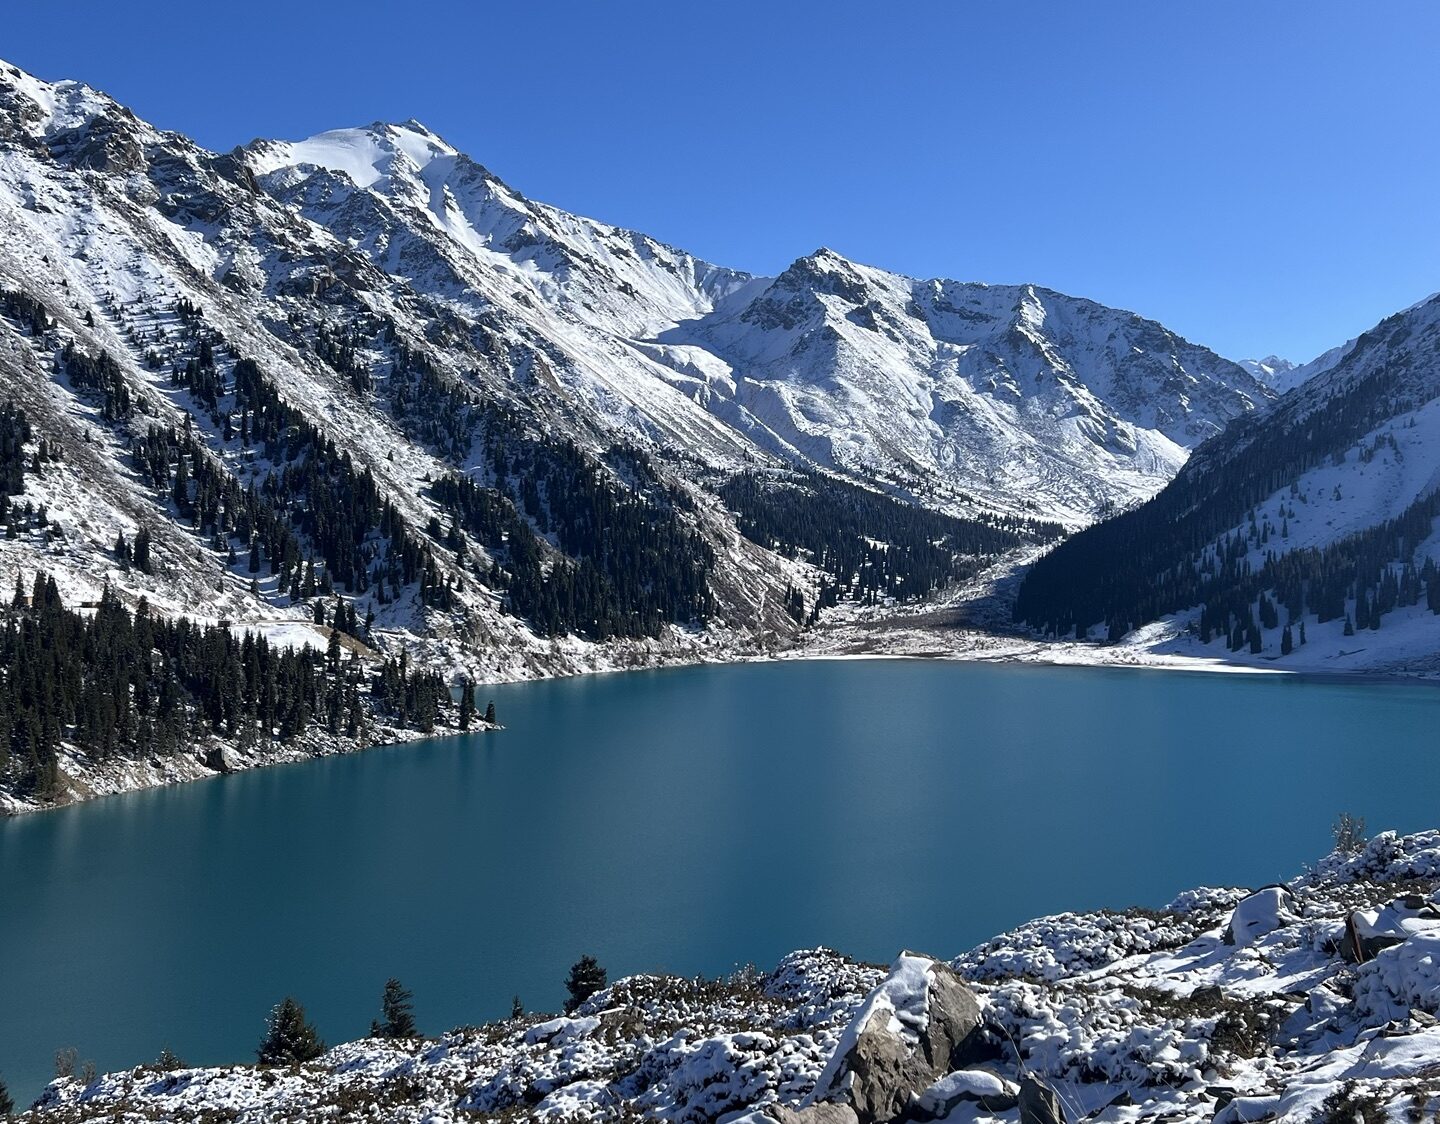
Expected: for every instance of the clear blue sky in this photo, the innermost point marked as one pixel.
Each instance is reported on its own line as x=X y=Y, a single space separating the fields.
x=1259 y=176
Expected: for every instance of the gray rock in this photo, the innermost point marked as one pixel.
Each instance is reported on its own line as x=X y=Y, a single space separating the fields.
x=1039 y=1104
x=993 y=1092
x=882 y=1069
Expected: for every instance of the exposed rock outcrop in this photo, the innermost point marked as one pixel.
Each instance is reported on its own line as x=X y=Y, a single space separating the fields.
x=901 y=1040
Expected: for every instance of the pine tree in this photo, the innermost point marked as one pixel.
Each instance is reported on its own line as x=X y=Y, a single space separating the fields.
x=290 y=1038
x=467 y=704
x=141 y=551
x=181 y=489
x=168 y=1061
x=516 y=1008
x=1287 y=643
x=490 y=714
x=585 y=979
x=397 y=1011
x=7 y=1103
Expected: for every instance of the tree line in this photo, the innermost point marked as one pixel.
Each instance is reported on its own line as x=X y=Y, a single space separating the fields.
x=137 y=686
x=1177 y=550
x=870 y=545
x=292 y=1039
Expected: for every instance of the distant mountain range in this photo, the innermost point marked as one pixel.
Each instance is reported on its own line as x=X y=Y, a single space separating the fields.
x=972 y=396
x=357 y=383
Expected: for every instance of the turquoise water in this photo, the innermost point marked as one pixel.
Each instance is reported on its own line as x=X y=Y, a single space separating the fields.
x=686 y=820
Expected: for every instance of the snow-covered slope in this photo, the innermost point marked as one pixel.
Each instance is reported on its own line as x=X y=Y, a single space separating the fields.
x=1016 y=395
x=1326 y=505
x=1009 y=398
x=1313 y=1000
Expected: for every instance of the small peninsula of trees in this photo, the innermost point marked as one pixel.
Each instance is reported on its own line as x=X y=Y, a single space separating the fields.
x=125 y=685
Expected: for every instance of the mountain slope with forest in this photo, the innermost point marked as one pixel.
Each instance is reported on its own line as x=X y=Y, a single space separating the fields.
x=1307 y=533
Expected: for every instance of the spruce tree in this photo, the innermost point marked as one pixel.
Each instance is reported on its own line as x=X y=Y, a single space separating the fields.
x=141 y=550
x=516 y=1008
x=490 y=714
x=467 y=705
x=397 y=1011
x=290 y=1037
x=7 y=1103
x=168 y=1061
x=585 y=979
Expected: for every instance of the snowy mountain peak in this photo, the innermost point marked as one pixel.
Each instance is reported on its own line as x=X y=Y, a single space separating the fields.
x=370 y=155
x=44 y=111
x=1024 y=396
x=1279 y=374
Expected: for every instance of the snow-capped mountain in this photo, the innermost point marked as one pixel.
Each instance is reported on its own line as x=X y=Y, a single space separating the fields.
x=1324 y=506
x=1283 y=376
x=1013 y=395
x=1277 y=373
x=1013 y=398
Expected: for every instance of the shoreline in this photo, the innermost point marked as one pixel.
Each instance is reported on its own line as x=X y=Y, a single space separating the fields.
x=1189 y=979
x=1024 y=653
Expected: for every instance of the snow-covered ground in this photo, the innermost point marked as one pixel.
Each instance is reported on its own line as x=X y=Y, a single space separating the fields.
x=1315 y=1000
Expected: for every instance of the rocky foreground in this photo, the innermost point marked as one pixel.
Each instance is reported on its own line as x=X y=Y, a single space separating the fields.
x=1312 y=1001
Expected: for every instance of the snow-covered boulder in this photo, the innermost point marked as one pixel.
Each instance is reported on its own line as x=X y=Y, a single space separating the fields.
x=1401 y=978
x=900 y=1041
x=1262 y=912
x=991 y=1091
x=1368 y=932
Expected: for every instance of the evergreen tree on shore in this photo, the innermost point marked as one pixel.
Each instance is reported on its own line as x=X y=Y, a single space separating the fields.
x=467 y=705
x=397 y=1017
x=168 y=1060
x=291 y=1038
x=585 y=979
